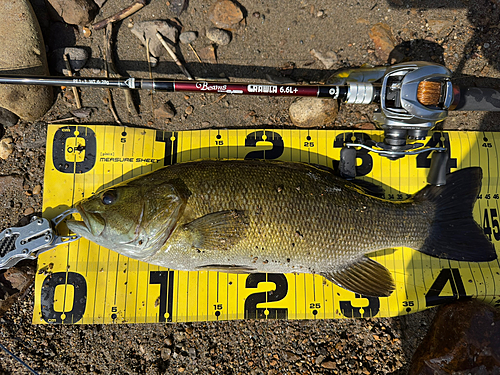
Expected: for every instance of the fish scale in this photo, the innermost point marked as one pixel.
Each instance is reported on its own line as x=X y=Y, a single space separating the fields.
x=262 y=216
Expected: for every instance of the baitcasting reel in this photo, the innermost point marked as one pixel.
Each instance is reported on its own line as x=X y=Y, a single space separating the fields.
x=413 y=97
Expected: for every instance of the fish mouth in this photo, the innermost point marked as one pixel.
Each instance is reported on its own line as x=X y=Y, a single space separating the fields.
x=93 y=223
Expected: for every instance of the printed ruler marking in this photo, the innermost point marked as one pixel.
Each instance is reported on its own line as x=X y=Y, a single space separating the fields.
x=227 y=294
x=497 y=191
x=116 y=278
x=237 y=297
x=187 y=298
x=125 y=307
x=486 y=145
x=95 y=286
x=104 y=315
x=147 y=295
x=480 y=148
x=266 y=299
x=295 y=292
x=197 y=296
x=177 y=299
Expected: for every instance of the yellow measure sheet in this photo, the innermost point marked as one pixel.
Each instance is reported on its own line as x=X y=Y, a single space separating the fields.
x=82 y=283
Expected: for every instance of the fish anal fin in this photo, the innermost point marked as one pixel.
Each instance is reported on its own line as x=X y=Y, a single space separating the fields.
x=227 y=268
x=365 y=276
x=217 y=231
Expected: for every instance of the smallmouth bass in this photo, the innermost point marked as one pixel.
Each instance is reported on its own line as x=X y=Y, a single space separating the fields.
x=270 y=216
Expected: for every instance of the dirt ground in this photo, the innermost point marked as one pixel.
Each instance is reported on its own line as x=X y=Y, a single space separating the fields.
x=275 y=36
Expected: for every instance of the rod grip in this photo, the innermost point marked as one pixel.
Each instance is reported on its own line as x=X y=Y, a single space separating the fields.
x=478 y=99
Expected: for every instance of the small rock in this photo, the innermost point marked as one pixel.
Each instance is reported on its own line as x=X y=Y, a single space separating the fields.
x=192 y=352
x=21 y=46
x=438 y=26
x=225 y=14
x=14 y=283
x=7 y=118
x=205 y=124
x=329 y=60
x=219 y=36
x=207 y=54
x=153 y=61
x=178 y=6
x=189 y=110
x=256 y=15
x=147 y=30
x=313 y=112
x=87 y=33
x=29 y=211
x=165 y=353
x=365 y=126
x=75 y=12
x=6 y=148
x=329 y=365
x=384 y=40
x=77 y=59
x=69 y=95
x=188 y=37
x=18 y=278
x=319 y=359
x=164 y=111
x=291 y=356
x=37 y=189
x=83 y=112
x=463 y=338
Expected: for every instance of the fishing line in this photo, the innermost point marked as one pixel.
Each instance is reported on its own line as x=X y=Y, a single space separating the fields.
x=18 y=359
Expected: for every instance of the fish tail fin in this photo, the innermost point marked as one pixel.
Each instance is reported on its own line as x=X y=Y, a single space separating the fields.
x=454 y=234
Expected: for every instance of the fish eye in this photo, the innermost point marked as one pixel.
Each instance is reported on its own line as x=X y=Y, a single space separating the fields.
x=108 y=198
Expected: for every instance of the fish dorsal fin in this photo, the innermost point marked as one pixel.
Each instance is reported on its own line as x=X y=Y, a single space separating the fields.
x=365 y=277
x=217 y=231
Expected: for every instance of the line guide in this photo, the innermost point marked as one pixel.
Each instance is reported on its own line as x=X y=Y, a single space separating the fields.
x=83 y=283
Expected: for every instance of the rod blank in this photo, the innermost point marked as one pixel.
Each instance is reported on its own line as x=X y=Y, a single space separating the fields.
x=321 y=91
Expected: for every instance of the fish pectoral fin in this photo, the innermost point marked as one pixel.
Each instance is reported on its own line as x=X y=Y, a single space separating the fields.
x=218 y=230
x=224 y=268
x=365 y=277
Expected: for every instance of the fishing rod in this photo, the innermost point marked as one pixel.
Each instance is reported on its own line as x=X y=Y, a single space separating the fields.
x=345 y=93
x=413 y=97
